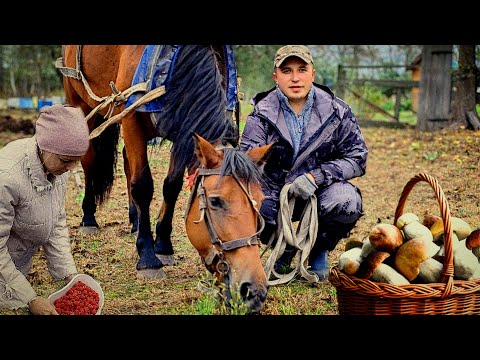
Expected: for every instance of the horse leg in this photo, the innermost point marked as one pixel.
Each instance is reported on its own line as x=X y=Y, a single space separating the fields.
x=99 y=165
x=89 y=224
x=132 y=208
x=141 y=191
x=163 y=243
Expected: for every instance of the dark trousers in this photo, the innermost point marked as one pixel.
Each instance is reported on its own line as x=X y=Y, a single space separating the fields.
x=339 y=207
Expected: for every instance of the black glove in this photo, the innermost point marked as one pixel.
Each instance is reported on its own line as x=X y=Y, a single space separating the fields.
x=302 y=187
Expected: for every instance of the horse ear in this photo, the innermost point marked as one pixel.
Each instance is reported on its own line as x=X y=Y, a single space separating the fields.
x=206 y=153
x=259 y=155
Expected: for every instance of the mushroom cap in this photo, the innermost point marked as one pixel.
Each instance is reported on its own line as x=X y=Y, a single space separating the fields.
x=410 y=256
x=353 y=243
x=371 y=262
x=473 y=240
x=430 y=219
x=459 y=226
x=406 y=219
x=386 y=237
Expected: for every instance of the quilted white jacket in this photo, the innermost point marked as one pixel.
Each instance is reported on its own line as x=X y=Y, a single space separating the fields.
x=32 y=214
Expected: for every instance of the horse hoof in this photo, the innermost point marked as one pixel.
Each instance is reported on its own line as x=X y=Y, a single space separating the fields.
x=89 y=229
x=151 y=274
x=167 y=260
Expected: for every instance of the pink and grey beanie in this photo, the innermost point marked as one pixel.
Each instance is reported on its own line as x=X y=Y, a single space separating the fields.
x=62 y=130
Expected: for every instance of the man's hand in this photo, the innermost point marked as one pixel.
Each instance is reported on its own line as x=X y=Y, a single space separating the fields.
x=42 y=306
x=303 y=187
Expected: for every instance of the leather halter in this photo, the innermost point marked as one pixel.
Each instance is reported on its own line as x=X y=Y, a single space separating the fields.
x=219 y=246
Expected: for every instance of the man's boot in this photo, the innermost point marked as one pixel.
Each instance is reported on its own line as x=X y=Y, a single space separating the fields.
x=319 y=264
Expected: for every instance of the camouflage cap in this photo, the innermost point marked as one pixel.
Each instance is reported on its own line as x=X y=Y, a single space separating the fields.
x=286 y=51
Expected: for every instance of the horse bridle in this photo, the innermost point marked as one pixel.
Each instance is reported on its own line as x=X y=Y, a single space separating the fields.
x=219 y=246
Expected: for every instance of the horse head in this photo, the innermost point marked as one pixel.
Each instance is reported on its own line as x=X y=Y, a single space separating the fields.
x=223 y=222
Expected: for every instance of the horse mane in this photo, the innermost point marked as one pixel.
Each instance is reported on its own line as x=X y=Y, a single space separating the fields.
x=237 y=163
x=195 y=101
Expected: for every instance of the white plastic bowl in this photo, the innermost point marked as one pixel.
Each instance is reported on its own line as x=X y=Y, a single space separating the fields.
x=87 y=280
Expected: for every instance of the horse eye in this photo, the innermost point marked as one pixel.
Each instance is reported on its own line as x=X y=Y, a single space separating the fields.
x=215 y=202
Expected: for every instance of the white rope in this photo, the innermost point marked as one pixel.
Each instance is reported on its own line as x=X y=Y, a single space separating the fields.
x=302 y=239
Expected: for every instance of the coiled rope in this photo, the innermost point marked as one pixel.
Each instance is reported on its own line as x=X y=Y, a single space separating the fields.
x=302 y=238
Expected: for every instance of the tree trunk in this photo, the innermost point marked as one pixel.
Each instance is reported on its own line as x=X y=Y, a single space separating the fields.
x=463 y=100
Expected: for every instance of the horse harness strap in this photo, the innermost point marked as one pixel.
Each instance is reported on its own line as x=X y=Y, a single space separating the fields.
x=116 y=98
x=253 y=239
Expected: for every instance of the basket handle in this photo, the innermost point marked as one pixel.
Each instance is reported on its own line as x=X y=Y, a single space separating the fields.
x=448 y=269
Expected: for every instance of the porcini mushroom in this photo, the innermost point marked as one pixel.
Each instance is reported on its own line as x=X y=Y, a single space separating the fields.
x=460 y=230
x=353 y=243
x=410 y=256
x=465 y=263
x=430 y=219
x=349 y=261
x=373 y=268
x=367 y=248
x=472 y=242
x=459 y=227
x=406 y=219
x=412 y=228
x=386 y=237
x=430 y=271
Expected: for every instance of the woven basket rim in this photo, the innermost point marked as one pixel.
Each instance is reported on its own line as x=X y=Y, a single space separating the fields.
x=421 y=291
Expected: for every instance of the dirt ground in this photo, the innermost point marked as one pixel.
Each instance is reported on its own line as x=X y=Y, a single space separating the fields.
x=396 y=154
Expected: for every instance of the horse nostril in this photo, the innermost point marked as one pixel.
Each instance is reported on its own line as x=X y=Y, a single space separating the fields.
x=250 y=292
x=245 y=291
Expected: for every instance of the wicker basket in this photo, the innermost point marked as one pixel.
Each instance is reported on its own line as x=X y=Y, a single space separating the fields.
x=450 y=297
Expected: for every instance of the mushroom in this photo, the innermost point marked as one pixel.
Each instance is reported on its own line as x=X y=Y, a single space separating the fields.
x=353 y=243
x=465 y=263
x=406 y=219
x=441 y=252
x=367 y=248
x=387 y=274
x=473 y=242
x=386 y=237
x=411 y=255
x=374 y=269
x=459 y=227
x=431 y=271
x=430 y=219
x=349 y=261
x=412 y=228
x=460 y=230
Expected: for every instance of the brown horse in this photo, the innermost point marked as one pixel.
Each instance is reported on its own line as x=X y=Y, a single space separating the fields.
x=195 y=96
x=223 y=221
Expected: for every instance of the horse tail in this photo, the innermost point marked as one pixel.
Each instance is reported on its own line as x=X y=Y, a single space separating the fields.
x=105 y=161
x=195 y=101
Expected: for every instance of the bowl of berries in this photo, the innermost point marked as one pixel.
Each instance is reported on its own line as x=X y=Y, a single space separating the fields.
x=83 y=295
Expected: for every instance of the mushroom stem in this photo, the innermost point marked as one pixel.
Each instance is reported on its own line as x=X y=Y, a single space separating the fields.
x=367 y=248
x=387 y=274
x=349 y=261
x=464 y=261
x=431 y=271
